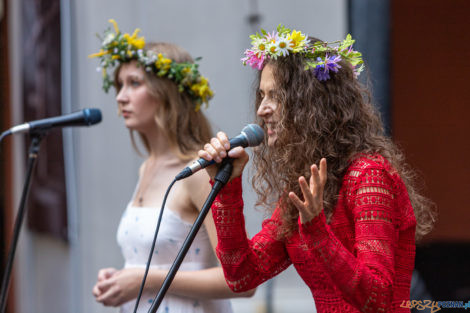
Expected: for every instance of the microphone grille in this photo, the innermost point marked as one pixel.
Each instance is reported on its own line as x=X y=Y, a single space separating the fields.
x=92 y=116
x=254 y=134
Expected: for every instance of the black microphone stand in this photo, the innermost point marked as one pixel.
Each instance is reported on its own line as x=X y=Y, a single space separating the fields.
x=33 y=154
x=221 y=178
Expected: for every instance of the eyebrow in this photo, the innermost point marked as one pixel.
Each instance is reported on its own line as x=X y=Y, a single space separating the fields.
x=131 y=76
x=134 y=76
x=271 y=92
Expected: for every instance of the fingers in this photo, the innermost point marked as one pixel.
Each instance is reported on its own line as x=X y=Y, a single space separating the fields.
x=109 y=292
x=204 y=154
x=211 y=151
x=318 y=176
x=312 y=192
x=308 y=196
x=105 y=273
x=96 y=291
x=305 y=213
x=314 y=179
x=104 y=285
x=224 y=140
x=297 y=202
x=104 y=292
x=238 y=152
x=323 y=171
x=217 y=148
x=109 y=298
x=305 y=207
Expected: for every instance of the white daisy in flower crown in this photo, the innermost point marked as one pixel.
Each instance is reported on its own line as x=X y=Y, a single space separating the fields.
x=284 y=45
x=260 y=46
x=273 y=50
x=321 y=57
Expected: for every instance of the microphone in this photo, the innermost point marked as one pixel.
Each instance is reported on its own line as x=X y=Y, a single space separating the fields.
x=251 y=136
x=85 y=117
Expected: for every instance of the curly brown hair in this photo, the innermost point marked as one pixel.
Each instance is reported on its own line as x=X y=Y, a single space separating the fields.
x=334 y=119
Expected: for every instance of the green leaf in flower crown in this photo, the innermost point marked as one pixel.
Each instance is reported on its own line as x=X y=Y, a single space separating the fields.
x=263 y=32
x=360 y=69
x=319 y=46
x=321 y=49
x=346 y=43
x=281 y=29
x=355 y=61
x=354 y=57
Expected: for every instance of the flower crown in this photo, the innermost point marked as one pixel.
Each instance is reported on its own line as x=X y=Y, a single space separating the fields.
x=322 y=57
x=119 y=48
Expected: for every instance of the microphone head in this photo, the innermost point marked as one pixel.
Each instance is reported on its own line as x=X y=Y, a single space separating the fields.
x=254 y=134
x=92 y=116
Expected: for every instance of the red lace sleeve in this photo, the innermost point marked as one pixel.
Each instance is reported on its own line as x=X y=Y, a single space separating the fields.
x=246 y=263
x=365 y=276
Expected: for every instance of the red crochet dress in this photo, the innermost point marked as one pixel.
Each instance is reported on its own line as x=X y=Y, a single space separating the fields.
x=361 y=261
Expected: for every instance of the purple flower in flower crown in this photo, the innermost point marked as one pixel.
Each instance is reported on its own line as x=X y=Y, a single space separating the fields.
x=322 y=70
x=320 y=73
x=255 y=60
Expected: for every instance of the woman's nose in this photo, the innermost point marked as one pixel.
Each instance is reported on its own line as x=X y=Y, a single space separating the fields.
x=122 y=97
x=264 y=109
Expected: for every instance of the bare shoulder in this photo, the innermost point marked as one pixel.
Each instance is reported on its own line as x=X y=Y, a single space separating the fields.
x=198 y=187
x=199 y=180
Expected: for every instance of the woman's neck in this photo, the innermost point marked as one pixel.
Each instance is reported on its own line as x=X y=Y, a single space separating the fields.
x=160 y=148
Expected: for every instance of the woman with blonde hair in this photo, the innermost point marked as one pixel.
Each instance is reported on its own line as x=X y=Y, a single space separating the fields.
x=159 y=95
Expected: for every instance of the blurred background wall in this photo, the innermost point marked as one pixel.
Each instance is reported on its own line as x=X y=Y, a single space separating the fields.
x=416 y=57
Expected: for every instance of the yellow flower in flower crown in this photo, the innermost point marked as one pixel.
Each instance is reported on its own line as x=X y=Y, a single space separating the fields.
x=297 y=40
x=138 y=43
x=116 y=28
x=202 y=89
x=98 y=54
x=162 y=61
x=163 y=64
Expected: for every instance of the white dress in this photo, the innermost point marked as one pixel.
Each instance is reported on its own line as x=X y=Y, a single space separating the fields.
x=135 y=236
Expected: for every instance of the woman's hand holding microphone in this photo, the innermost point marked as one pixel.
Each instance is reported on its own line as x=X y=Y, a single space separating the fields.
x=218 y=149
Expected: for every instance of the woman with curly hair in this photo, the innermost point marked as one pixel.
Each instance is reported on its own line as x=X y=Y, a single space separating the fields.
x=349 y=229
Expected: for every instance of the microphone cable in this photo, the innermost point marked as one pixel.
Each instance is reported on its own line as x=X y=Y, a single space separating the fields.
x=4 y=134
x=153 y=245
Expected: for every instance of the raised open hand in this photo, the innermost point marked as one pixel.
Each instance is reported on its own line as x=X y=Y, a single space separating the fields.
x=312 y=204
